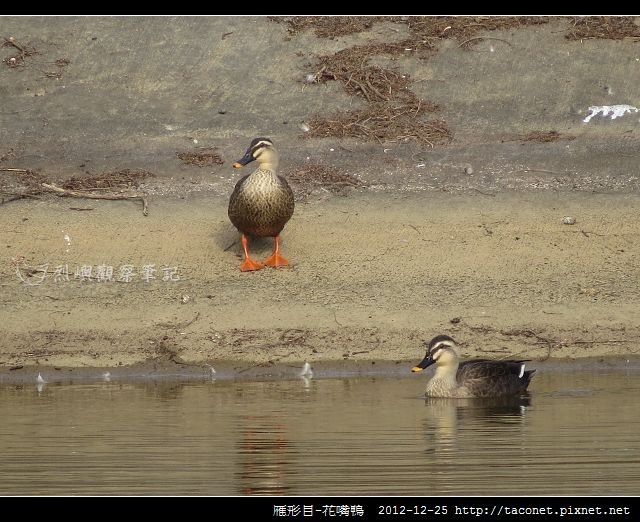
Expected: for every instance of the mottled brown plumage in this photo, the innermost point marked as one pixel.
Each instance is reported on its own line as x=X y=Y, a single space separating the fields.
x=475 y=378
x=262 y=202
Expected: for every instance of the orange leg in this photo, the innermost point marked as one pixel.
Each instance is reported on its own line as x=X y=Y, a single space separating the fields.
x=248 y=264
x=275 y=259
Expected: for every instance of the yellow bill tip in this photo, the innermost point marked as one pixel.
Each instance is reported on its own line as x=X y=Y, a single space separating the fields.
x=416 y=369
x=237 y=165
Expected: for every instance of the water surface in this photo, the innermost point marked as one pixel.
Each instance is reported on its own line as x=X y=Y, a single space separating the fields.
x=578 y=433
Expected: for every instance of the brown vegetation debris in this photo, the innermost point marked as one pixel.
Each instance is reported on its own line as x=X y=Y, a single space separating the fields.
x=28 y=179
x=381 y=122
x=120 y=179
x=350 y=67
x=465 y=28
x=327 y=26
x=31 y=184
x=393 y=110
x=545 y=136
x=424 y=29
x=604 y=27
x=321 y=175
x=17 y=60
x=204 y=158
x=20 y=183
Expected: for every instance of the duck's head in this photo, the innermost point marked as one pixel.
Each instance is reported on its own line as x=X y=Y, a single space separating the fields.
x=441 y=350
x=260 y=150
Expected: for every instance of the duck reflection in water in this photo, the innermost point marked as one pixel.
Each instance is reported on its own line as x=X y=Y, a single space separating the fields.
x=448 y=422
x=265 y=457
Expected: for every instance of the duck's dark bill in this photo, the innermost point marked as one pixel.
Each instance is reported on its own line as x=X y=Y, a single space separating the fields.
x=247 y=158
x=424 y=363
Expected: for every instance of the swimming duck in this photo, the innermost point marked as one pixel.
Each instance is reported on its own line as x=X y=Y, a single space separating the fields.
x=261 y=203
x=475 y=378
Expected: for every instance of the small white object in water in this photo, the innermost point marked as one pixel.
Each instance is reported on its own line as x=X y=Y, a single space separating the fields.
x=40 y=380
x=615 y=110
x=306 y=371
x=212 y=370
x=569 y=220
x=304 y=127
x=106 y=376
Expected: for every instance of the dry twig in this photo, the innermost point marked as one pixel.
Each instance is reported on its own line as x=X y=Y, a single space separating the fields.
x=74 y=194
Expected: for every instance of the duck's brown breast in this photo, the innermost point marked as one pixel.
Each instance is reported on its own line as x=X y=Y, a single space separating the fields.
x=261 y=204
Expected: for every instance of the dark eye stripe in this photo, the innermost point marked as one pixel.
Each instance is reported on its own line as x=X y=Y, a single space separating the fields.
x=440 y=346
x=260 y=146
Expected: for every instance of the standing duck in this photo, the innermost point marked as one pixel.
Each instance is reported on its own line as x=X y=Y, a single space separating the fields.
x=475 y=378
x=261 y=203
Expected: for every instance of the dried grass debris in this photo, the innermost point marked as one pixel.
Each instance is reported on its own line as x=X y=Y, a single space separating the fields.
x=383 y=123
x=327 y=26
x=603 y=27
x=424 y=30
x=545 y=136
x=204 y=158
x=350 y=67
x=465 y=28
x=119 y=179
x=23 y=52
x=322 y=175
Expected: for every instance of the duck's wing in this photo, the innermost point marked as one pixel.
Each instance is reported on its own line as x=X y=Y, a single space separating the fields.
x=487 y=378
x=239 y=185
x=287 y=199
x=489 y=368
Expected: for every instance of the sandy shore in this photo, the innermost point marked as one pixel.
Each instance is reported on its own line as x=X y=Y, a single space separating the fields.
x=372 y=277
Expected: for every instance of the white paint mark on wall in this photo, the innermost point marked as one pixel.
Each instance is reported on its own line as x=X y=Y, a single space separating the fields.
x=616 y=111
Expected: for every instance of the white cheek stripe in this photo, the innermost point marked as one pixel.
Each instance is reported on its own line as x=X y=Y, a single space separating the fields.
x=261 y=144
